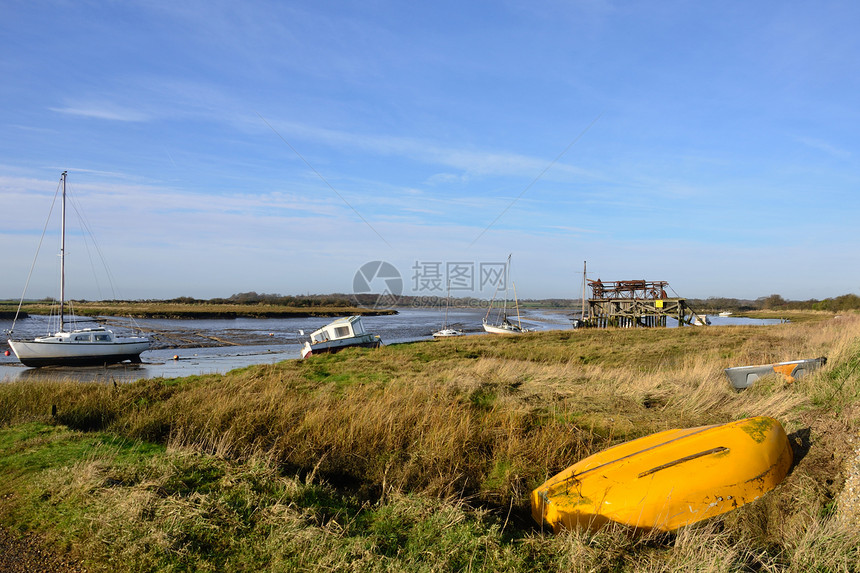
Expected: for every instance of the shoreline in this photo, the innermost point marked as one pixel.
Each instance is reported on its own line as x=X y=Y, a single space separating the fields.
x=10 y=314
x=106 y=312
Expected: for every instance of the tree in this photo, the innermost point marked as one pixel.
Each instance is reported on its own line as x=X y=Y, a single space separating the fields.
x=773 y=302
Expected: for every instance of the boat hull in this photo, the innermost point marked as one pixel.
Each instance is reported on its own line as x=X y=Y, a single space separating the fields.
x=331 y=346
x=38 y=354
x=744 y=376
x=498 y=330
x=669 y=479
x=504 y=327
x=447 y=333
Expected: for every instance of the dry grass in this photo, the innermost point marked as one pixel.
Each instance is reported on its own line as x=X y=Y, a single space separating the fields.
x=473 y=424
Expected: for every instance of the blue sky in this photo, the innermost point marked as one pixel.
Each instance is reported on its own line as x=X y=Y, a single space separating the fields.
x=222 y=147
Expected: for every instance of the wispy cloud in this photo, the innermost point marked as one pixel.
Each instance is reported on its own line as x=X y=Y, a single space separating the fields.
x=107 y=111
x=825 y=146
x=447 y=179
x=400 y=110
x=470 y=161
x=576 y=230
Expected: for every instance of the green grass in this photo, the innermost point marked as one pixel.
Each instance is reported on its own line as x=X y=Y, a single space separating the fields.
x=125 y=506
x=174 y=510
x=421 y=457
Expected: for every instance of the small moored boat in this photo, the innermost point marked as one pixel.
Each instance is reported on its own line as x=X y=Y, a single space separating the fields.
x=668 y=480
x=743 y=376
x=700 y=320
x=342 y=333
x=447 y=331
x=504 y=326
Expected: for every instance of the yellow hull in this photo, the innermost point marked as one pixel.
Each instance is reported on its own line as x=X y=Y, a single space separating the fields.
x=667 y=480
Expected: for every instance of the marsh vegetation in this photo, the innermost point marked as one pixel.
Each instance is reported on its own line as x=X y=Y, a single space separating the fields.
x=421 y=456
x=193 y=310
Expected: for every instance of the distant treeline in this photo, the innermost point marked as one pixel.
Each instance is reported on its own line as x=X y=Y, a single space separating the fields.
x=302 y=301
x=712 y=304
x=775 y=302
x=351 y=300
x=707 y=305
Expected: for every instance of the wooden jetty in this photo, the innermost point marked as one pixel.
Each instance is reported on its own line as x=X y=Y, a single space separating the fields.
x=634 y=303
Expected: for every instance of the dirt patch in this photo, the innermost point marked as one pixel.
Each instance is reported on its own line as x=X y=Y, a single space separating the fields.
x=826 y=451
x=848 y=502
x=30 y=554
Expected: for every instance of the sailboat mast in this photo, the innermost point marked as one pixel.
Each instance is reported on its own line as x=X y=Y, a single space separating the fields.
x=583 y=289
x=492 y=300
x=507 y=275
x=517 y=303
x=447 y=302
x=63 y=253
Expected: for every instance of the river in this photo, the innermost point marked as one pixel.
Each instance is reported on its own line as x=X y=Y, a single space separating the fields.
x=189 y=347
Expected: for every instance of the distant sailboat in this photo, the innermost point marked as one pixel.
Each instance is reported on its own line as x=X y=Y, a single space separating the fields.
x=504 y=326
x=447 y=332
x=580 y=322
x=80 y=347
x=700 y=320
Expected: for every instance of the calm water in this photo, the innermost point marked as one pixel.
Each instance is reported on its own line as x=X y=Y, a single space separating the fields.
x=245 y=341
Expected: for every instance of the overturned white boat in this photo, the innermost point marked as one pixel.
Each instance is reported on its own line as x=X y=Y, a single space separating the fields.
x=743 y=376
x=342 y=333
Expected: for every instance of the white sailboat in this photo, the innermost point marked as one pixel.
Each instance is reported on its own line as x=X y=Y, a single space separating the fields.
x=580 y=322
x=447 y=332
x=504 y=326
x=79 y=347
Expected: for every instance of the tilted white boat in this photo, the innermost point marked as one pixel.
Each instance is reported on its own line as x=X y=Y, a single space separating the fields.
x=504 y=326
x=342 y=333
x=80 y=347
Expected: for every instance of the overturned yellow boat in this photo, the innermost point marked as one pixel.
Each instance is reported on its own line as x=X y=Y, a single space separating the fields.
x=667 y=480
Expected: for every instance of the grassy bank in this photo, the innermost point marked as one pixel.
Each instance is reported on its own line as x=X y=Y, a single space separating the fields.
x=421 y=456
x=192 y=310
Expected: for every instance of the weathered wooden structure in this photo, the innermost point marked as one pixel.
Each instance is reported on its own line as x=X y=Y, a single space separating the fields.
x=635 y=303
